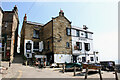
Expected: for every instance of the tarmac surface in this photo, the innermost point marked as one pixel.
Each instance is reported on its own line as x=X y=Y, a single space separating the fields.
x=20 y=71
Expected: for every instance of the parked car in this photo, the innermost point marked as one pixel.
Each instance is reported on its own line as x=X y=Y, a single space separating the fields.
x=107 y=65
x=117 y=68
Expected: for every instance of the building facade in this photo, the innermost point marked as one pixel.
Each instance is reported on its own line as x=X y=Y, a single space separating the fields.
x=82 y=45
x=57 y=41
x=1 y=16
x=10 y=32
x=31 y=38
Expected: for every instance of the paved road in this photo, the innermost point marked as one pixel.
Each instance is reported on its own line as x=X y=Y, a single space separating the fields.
x=21 y=71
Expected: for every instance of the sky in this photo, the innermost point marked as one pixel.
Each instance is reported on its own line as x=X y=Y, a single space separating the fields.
x=100 y=17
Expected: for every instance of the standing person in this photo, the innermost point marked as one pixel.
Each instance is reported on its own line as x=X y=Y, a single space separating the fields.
x=45 y=62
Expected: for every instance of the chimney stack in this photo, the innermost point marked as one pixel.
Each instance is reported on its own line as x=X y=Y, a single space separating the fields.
x=15 y=9
x=84 y=27
x=61 y=13
x=25 y=17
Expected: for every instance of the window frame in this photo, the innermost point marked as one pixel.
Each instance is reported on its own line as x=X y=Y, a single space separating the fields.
x=80 y=45
x=91 y=58
x=88 y=48
x=86 y=34
x=35 y=43
x=77 y=33
x=48 y=45
x=36 y=33
x=67 y=45
x=84 y=58
x=68 y=34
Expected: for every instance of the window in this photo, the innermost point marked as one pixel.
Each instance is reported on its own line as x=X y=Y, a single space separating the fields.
x=79 y=45
x=97 y=58
x=77 y=33
x=86 y=35
x=67 y=45
x=36 y=46
x=28 y=47
x=87 y=46
x=68 y=31
x=48 y=45
x=36 y=33
x=91 y=58
x=83 y=59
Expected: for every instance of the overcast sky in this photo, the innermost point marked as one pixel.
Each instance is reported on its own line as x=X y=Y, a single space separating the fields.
x=100 y=17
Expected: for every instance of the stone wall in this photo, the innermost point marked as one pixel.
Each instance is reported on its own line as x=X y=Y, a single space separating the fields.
x=47 y=35
x=11 y=21
x=1 y=16
x=60 y=38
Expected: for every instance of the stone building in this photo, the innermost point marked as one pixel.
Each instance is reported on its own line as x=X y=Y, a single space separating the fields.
x=1 y=16
x=57 y=40
x=52 y=40
x=10 y=32
x=31 y=37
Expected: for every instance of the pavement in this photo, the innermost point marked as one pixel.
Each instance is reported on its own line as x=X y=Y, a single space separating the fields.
x=20 y=71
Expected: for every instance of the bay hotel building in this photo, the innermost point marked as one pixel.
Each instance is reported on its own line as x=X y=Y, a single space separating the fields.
x=57 y=41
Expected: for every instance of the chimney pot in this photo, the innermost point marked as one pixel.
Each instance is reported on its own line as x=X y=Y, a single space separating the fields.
x=25 y=17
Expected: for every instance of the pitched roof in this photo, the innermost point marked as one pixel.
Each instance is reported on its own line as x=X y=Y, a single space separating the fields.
x=1 y=10
x=81 y=29
x=34 y=23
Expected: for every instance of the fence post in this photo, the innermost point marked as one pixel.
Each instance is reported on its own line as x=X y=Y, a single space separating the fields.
x=63 y=68
x=100 y=74
x=74 y=70
x=86 y=73
x=116 y=76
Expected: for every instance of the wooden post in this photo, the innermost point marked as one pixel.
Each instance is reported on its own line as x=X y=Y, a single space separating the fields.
x=100 y=74
x=63 y=68
x=116 y=76
x=86 y=73
x=74 y=70
x=26 y=62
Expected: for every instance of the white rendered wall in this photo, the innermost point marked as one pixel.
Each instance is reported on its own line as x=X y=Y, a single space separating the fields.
x=62 y=58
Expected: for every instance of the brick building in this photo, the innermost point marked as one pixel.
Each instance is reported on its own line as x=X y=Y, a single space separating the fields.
x=10 y=24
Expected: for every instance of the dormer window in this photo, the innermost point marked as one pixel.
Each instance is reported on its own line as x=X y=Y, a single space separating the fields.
x=77 y=33
x=36 y=33
x=86 y=35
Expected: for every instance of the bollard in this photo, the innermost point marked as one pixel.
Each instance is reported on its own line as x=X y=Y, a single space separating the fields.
x=116 y=77
x=100 y=74
x=63 y=68
x=9 y=63
x=26 y=62
x=86 y=73
x=74 y=70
